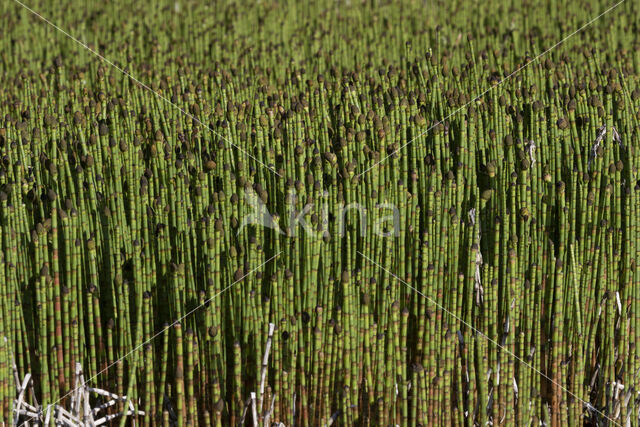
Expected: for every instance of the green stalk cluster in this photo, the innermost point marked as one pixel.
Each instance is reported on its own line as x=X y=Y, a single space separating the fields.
x=432 y=256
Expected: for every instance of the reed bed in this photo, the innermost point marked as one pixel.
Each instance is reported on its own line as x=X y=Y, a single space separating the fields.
x=493 y=279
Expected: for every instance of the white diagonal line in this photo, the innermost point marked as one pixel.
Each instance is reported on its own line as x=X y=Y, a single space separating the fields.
x=506 y=350
x=164 y=98
x=493 y=87
x=160 y=333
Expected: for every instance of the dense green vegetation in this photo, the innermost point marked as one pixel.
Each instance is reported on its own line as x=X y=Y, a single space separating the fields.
x=508 y=293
